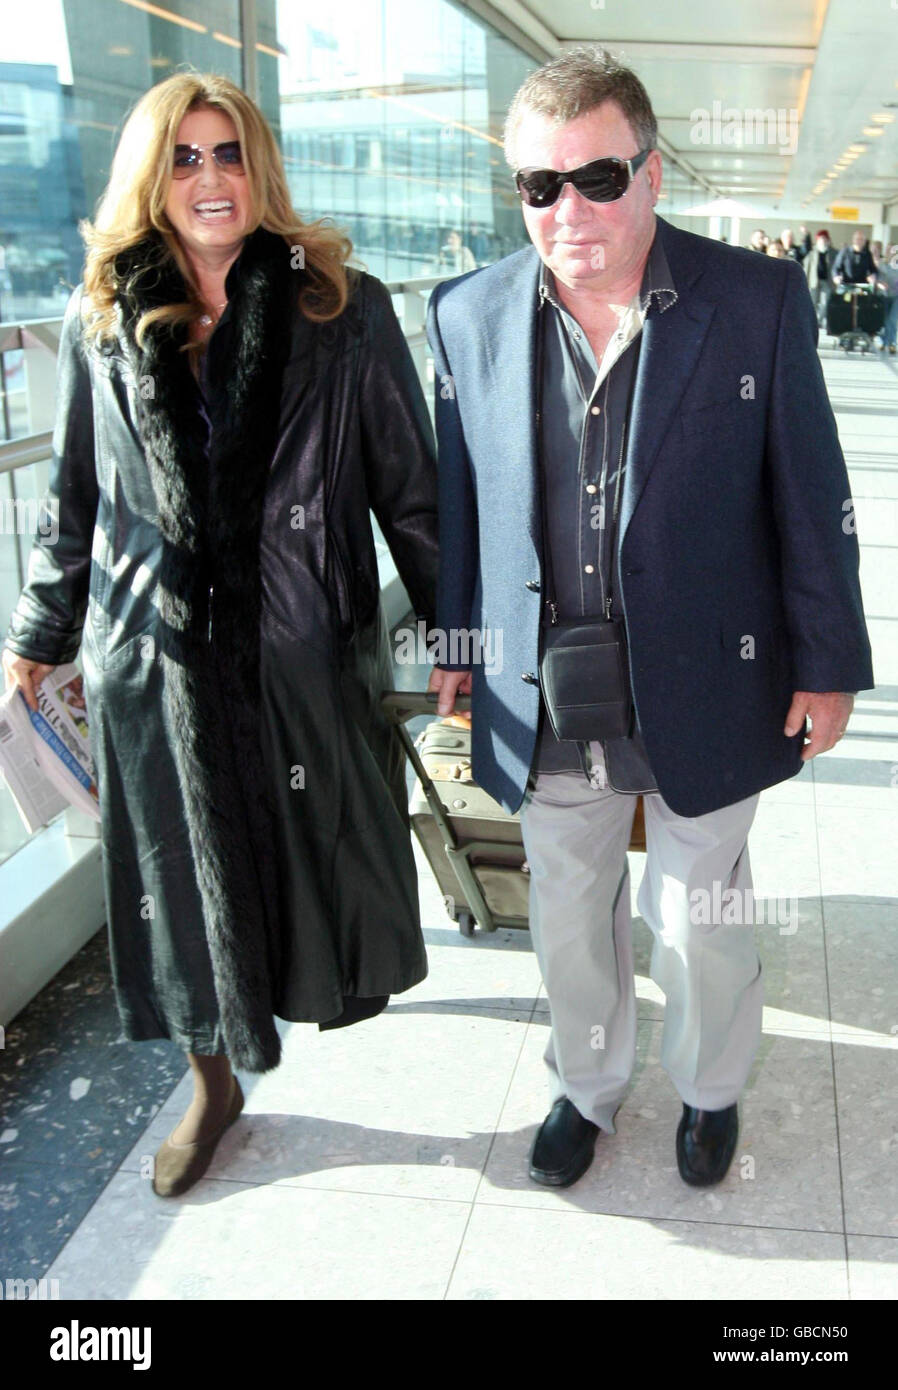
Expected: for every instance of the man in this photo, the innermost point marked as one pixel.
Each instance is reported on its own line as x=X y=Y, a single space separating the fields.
x=887 y=280
x=759 y=240
x=818 y=266
x=694 y=488
x=854 y=265
x=789 y=245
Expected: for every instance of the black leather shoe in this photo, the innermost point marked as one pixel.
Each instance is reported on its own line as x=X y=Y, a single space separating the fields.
x=706 y=1142
x=564 y=1147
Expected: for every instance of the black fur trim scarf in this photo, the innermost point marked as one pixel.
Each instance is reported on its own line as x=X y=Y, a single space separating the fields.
x=210 y=490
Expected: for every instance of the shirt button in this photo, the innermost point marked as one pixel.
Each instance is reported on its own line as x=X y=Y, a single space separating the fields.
x=588 y=569
x=591 y=487
x=576 y=335
x=596 y=410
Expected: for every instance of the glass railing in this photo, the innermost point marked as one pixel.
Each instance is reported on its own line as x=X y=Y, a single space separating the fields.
x=20 y=492
x=27 y=379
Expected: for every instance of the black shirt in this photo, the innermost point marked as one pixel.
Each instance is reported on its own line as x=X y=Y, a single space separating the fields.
x=583 y=444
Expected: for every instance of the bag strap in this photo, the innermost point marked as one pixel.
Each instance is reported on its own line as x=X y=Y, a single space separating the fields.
x=608 y=542
x=548 y=576
x=607 y=535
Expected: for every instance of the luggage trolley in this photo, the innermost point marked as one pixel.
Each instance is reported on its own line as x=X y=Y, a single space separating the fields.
x=854 y=314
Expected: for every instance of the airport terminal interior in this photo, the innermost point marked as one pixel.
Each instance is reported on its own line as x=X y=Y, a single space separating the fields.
x=389 y=1160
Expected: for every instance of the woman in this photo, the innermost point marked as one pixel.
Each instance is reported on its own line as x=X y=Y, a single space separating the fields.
x=818 y=269
x=887 y=280
x=232 y=398
x=455 y=258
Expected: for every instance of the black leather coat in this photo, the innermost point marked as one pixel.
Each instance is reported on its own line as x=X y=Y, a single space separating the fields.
x=215 y=566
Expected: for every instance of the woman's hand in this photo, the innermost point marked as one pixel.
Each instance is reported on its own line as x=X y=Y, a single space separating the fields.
x=26 y=675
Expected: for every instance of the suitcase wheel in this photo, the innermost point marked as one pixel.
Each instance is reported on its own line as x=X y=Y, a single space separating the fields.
x=466 y=923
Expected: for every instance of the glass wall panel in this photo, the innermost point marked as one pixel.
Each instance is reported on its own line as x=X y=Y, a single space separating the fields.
x=390 y=115
x=70 y=71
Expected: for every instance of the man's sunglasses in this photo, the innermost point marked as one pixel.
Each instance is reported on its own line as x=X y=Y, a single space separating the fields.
x=601 y=180
x=189 y=158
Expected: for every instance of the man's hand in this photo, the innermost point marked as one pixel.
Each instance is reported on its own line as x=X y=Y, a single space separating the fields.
x=449 y=684
x=829 y=714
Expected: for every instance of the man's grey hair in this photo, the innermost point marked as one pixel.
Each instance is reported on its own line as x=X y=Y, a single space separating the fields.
x=581 y=79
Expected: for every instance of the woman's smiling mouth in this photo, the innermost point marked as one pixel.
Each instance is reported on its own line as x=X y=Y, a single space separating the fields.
x=214 y=209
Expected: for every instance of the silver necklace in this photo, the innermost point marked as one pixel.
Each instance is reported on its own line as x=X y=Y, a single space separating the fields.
x=206 y=319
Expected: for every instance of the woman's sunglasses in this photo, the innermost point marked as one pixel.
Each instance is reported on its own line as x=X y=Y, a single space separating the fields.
x=189 y=158
x=601 y=180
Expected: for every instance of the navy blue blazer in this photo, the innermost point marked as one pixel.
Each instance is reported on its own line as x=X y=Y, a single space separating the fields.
x=738 y=558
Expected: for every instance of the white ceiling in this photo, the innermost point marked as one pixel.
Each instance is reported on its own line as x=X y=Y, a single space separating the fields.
x=835 y=62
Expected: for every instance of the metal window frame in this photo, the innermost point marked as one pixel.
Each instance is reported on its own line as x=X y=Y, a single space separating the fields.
x=249 y=34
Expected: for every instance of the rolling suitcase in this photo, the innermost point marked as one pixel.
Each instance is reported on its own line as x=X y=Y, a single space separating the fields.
x=871 y=313
x=473 y=845
x=838 y=314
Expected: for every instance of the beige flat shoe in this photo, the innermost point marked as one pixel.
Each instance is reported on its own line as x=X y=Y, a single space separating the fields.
x=179 y=1166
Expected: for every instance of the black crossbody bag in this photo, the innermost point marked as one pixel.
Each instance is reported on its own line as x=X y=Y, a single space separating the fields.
x=583 y=665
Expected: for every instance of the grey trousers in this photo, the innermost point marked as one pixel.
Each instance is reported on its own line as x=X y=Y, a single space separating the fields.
x=820 y=296
x=576 y=838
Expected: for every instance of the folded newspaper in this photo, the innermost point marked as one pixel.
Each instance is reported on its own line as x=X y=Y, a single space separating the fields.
x=45 y=755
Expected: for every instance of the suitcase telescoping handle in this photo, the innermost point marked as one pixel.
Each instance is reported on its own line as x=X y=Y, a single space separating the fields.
x=401 y=705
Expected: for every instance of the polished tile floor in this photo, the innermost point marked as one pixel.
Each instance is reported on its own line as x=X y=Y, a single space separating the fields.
x=389 y=1160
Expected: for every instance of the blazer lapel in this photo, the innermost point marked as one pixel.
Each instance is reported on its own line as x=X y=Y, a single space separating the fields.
x=509 y=344
x=670 y=349
x=672 y=342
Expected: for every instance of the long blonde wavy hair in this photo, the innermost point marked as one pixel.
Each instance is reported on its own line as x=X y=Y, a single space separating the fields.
x=133 y=205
